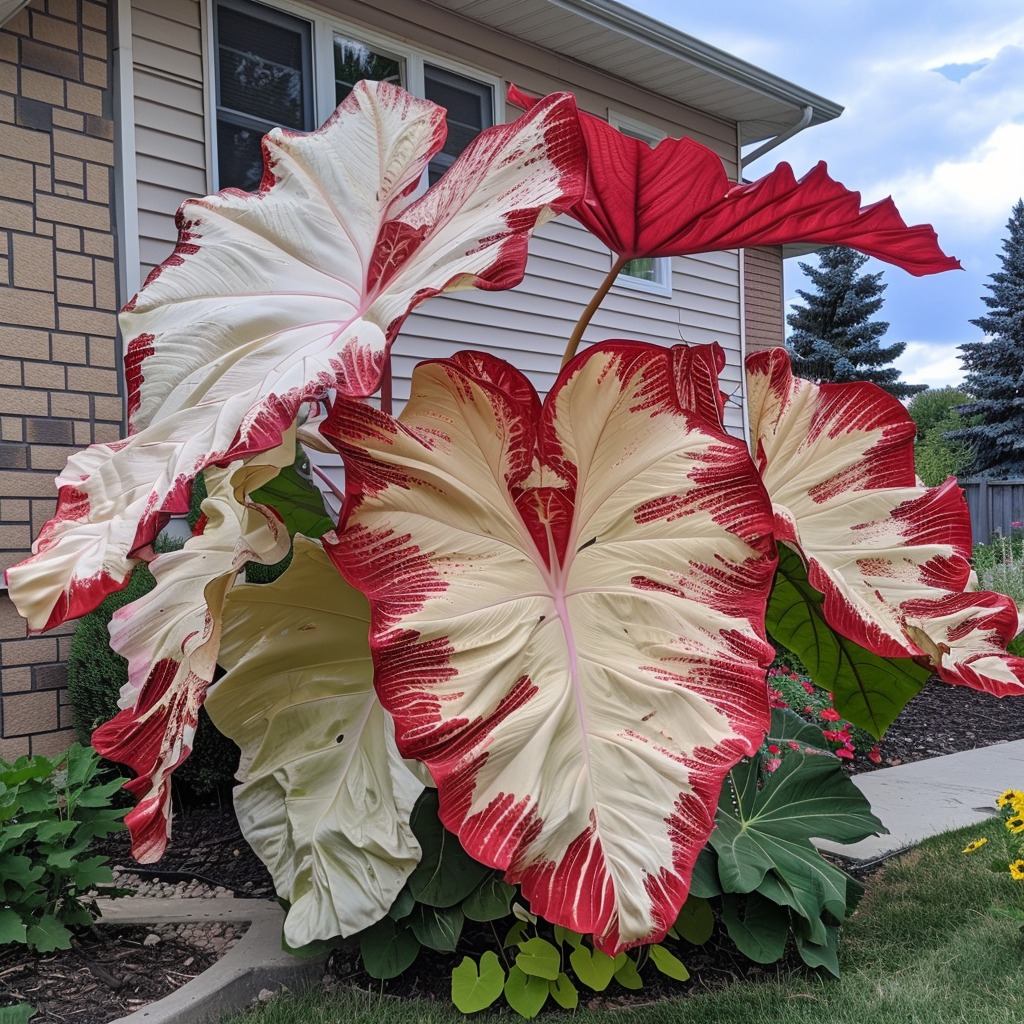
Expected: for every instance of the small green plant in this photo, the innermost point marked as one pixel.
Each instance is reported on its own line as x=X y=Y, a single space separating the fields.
x=51 y=812
x=532 y=962
x=542 y=961
x=760 y=861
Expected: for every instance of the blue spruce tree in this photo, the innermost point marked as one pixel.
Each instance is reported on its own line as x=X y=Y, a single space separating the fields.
x=834 y=338
x=995 y=367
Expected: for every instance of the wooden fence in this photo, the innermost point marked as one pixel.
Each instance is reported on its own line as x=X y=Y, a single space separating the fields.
x=997 y=507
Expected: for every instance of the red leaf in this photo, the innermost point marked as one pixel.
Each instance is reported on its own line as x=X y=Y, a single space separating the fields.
x=675 y=199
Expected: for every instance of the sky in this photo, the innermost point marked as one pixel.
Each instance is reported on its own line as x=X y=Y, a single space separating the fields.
x=934 y=98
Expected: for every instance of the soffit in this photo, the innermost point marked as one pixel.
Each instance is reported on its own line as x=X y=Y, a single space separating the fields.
x=631 y=46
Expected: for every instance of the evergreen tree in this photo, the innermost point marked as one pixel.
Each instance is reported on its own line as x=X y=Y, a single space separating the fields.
x=834 y=338
x=995 y=367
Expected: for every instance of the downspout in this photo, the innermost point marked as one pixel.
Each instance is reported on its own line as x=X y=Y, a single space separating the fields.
x=805 y=119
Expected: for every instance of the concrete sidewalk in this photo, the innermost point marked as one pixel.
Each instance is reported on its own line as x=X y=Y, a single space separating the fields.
x=918 y=800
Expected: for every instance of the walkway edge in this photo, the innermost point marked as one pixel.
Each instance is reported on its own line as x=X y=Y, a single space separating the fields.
x=254 y=963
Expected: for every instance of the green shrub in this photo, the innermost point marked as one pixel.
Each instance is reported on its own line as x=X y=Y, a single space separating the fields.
x=773 y=884
x=51 y=812
x=96 y=675
x=529 y=960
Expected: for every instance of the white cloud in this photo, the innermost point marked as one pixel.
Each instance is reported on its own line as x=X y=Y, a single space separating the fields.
x=976 y=191
x=924 y=362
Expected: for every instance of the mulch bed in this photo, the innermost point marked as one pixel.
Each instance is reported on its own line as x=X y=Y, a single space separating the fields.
x=109 y=972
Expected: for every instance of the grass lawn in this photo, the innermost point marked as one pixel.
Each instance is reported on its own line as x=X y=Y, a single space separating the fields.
x=921 y=949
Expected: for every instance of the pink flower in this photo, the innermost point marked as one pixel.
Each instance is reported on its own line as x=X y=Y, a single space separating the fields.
x=775 y=698
x=830 y=715
x=773 y=764
x=809 y=687
x=846 y=755
x=773 y=749
x=875 y=755
x=792 y=744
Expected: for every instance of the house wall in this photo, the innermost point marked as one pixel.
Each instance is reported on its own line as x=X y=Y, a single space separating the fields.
x=528 y=326
x=59 y=356
x=763 y=297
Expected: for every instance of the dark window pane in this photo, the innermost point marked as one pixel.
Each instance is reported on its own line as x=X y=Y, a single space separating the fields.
x=264 y=79
x=470 y=109
x=353 y=62
x=239 y=156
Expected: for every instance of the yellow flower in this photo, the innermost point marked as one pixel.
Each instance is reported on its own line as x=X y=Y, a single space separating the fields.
x=977 y=844
x=1015 y=824
x=1017 y=870
x=1012 y=798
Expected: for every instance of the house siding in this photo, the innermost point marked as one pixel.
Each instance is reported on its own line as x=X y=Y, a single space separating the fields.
x=763 y=298
x=59 y=353
x=528 y=326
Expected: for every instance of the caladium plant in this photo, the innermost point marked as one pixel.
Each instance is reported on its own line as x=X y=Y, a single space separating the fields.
x=565 y=596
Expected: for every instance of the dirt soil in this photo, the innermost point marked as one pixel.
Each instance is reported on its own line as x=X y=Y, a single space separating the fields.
x=110 y=972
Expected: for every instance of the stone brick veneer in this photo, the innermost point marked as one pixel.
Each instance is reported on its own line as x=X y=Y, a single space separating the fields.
x=60 y=384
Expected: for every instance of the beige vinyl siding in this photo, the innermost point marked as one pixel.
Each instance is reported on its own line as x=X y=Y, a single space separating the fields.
x=170 y=119
x=528 y=326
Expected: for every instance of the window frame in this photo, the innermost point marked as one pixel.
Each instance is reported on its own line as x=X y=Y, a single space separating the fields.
x=662 y=283
x=323 y=28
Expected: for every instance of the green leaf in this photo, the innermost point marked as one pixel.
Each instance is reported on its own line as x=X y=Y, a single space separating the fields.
x=20 y=1013
x=696 y=921
x=403 y=905
x=523 y=914
x=820 y=954
x=770 y=829
x=627 y=975
x=437 y=927
x=594 y=968
x=446 y=874
x=870 y=691
x=564 y=992
x=566 y=936
x=387 y=949
x=297 y=500
x=514 y=935
x=787 y=726
x=539 y=958
x=475 y=988
x=704 y=882
x=668 y=963
x=757 y=926
x=18 y=869
x=526 y=993
x=490 y=900
x=48 y=934
x=92 y=871
x=12 y=928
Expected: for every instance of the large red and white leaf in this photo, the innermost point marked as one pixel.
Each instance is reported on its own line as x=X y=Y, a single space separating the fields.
x=325 y=798
x=675 y=199
x=171 y=636
x=568 y=601
x=889 y=555
x=272 y=298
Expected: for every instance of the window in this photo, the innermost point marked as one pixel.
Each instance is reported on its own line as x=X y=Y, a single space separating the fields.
x=265 y=77
x=646 y=273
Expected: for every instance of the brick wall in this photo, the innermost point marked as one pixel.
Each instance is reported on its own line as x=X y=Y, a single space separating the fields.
x=59 y=355
x=762 y=281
